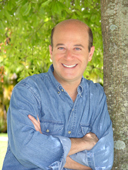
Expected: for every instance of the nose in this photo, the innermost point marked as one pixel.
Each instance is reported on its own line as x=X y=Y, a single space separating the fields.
x=69 y=54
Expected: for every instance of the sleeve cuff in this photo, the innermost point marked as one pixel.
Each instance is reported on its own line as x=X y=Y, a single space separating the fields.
x=80 y=157
x=66 y=144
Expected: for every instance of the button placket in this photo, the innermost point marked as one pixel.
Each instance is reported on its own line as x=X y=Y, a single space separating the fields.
x=73 y=118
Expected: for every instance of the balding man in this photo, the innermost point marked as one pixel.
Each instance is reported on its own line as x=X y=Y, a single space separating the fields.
x=59 y=120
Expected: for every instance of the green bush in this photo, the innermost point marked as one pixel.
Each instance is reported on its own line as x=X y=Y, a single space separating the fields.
x=3 y=125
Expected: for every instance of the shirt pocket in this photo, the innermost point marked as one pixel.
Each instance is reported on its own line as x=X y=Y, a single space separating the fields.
x=83 y=130
x=52 y=128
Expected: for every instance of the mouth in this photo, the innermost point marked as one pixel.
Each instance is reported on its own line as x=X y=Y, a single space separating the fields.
x=69 y=66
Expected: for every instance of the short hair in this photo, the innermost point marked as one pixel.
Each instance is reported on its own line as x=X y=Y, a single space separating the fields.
x=90 y=43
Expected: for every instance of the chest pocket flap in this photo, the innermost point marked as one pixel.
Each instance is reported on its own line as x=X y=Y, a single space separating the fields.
x=84 y=129
x=51 y=128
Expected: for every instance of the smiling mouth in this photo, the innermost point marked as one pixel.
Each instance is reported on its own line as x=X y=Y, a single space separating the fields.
x=69 y=66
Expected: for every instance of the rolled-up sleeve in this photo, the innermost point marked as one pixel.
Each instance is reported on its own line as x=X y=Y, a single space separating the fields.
x=101 y=156
x=31 y=148
x=66 y=143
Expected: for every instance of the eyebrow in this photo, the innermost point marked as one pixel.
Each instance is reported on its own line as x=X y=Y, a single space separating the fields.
x=59 y=44
x=79 y=45
x=76 y=45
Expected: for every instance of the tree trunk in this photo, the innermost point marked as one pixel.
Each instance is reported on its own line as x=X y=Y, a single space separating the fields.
x=114 y=19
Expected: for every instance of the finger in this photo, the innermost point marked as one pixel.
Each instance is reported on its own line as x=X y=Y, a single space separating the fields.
x=34 y=121
x=32 y=118
x=38 y=119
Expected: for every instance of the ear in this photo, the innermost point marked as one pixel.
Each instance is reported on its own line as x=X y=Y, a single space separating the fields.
x=50 y=50
x=91 y=53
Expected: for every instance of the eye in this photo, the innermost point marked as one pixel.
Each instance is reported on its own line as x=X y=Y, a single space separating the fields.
x=61 y=48
x=77 y=49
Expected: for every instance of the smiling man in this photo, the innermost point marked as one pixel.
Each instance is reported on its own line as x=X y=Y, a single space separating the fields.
x=70 y=54
x=59 y=120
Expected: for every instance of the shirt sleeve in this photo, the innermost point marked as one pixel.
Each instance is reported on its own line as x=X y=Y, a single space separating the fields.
x=100 y=157
x=31 y=148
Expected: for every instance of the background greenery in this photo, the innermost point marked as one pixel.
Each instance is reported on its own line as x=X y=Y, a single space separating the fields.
x=25 y=28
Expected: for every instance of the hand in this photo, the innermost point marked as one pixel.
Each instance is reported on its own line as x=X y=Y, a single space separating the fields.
x=85 y=143
x=91 y=140
x=36 y=123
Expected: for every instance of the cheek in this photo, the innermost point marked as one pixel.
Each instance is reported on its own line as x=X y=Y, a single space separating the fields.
x=85 y=63
x=58 y=57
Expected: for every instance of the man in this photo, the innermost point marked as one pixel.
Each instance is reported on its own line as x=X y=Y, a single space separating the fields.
x=59 y=120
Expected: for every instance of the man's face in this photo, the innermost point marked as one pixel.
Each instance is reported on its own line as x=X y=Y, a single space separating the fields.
x=70 y=53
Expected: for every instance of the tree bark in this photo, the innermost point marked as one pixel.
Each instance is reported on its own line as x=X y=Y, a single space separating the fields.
x=114 y=19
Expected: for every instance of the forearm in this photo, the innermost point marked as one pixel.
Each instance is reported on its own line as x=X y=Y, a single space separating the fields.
x=85 y=143
x=100 y=156
x=77 y=145
x=71 y=164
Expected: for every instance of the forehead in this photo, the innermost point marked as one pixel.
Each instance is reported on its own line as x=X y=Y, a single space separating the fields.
x=71 y=31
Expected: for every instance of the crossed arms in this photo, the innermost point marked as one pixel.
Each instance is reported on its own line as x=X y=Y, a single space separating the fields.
x=77 y=145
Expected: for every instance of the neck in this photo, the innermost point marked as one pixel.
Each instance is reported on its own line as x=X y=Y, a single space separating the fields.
x=69 y=86
x=71 y=89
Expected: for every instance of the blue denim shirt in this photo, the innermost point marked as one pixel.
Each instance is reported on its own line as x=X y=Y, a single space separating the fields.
x=61 y=119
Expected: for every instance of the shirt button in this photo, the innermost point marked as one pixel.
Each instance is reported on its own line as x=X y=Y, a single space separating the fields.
x=62 y=90
x=58 y=92
x=69 y=132
x=72 y=109
x=47 y=130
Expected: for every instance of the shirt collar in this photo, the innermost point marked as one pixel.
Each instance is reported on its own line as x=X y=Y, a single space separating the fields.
x=58 y=85
x=54 y=81
x=80 y=87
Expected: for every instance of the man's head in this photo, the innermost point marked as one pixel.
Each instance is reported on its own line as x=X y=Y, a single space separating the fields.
x=90 y=42
x=71 y=50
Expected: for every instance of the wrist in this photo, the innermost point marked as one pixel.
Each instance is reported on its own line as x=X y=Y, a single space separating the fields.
x=77 y=145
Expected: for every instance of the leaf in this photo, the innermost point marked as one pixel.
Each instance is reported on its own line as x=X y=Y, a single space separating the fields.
x=77 y=3
x=25 y=9
x=53 y=8
x=9 y=5
x=93 y=17
x=41 y=11
x=2 y=29
x=7 y=15
x=35 y=21
x=1 y=14
x=57 y=7
x=20 y=2
x=74 y=16
x=67 y=3
x=60 y=7
x=34 y=1
x=46 y=3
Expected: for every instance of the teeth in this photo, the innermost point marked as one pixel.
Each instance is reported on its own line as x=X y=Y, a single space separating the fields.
x=69 y=66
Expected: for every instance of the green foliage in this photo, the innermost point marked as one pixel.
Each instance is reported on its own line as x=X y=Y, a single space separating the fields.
x=28 y=26
x=3 y=125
